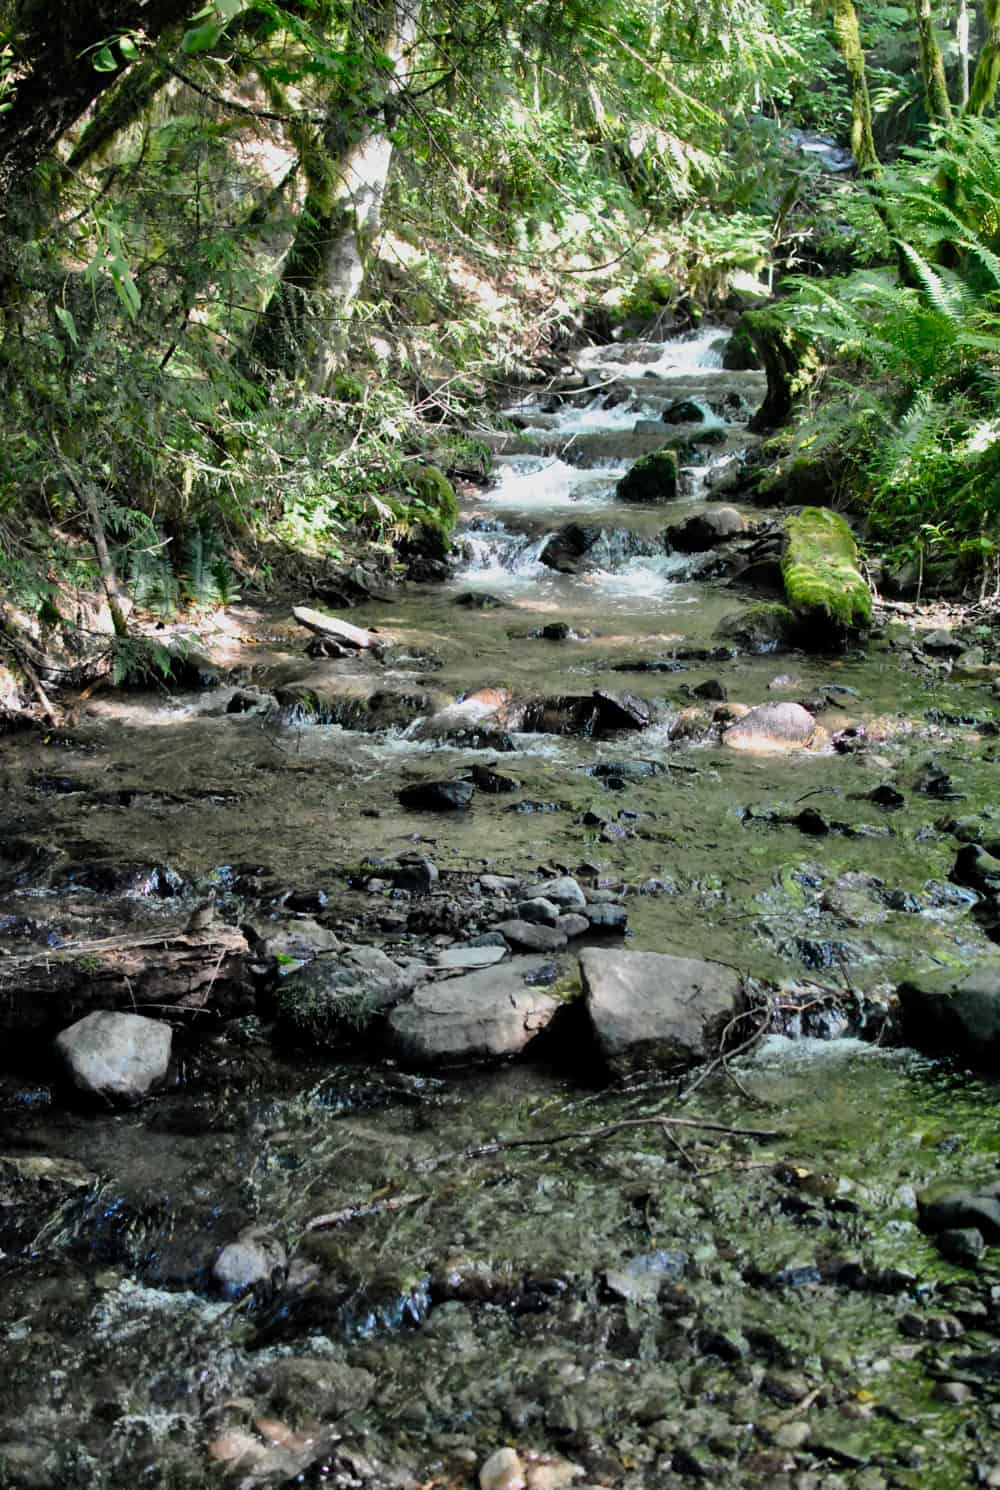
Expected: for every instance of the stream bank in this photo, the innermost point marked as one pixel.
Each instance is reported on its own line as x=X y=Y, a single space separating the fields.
x=635 y=1305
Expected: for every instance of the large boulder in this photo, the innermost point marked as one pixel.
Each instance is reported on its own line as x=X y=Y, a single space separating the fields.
x=823 y=585
x=118 y=1057
x=487 y=1015
x=650 y=1009
x=705 y=530
x=955 y=1012
x=653 y=479
x=784 y=726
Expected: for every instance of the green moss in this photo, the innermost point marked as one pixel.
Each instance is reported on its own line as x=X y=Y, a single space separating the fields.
x=348 y=389
x=653 y=478
x=795 y=479
x=431 y=486
x=820 y=570
x=649 y=297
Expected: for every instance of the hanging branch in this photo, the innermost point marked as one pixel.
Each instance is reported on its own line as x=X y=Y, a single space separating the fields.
x=84 y=494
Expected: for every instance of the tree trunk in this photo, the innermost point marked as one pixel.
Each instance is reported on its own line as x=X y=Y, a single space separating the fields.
x=987 y=74
x=783 y=353
x=56 y=81
x=304 y=328
x=962 y=42
x=848 y=34
x=932 y=66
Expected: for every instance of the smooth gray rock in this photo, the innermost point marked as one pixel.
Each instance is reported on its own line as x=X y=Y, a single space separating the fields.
x=469 y=958
x=609 y=920
x=484 y=1016
x=565 y=892
x=955 y=1012
x=650 y=1009
x=573 y=925
x=246 y=1262
x=120 y=1057
x=946 y=1206
x=539 y=911
x=532 y=938
x=355 y=637
x=772 y=727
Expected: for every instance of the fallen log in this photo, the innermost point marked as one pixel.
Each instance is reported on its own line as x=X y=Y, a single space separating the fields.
x=182 y=975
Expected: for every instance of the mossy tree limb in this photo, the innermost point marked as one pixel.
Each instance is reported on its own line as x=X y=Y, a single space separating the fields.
x=848 y=35
x=823 y=584
x=932 y=65
x=987 y=73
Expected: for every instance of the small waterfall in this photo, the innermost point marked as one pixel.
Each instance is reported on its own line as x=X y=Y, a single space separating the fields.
x=491 y=550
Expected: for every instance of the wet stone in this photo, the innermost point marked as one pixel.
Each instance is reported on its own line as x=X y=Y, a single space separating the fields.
x=962 y=1245
x=117 y=1057
x=648 y=1008
x=482 y=1016
x=437 y=796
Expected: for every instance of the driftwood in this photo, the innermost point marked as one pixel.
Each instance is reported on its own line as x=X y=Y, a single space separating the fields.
x=172 y=970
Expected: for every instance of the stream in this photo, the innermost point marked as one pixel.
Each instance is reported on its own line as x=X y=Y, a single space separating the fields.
x=745 y=1304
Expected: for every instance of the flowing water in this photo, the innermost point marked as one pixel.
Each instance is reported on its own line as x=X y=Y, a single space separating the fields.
x=633 y=1306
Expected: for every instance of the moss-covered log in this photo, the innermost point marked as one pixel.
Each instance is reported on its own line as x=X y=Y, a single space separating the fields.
x=848 y=34
x=932 y=65
x=823 y=585
x=987 y=73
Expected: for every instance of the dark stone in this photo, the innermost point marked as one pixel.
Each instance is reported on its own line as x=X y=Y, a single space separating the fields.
x=945 y=1207
x=963 y=1245
x=620 y=711
x=437 y=796
x=977 y=869
x=479 y=600
x=812 y=822
x=711 y=689
x=307 y=901
x=886 y=796
x=492 y=782
x=566 y=548
x=417 y=875
x=630 y=770
x=704 y=530
x=652 y=479
x=609 y=920
x=683 y=411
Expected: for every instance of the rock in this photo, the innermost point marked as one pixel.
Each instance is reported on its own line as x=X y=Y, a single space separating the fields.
x=573 y=925
x=566 y=549
x=954 y=1011
x=711 y=689
x=502 y=1471
x=652 y=479
x=760 y=628
x=500 y=884
x=332 y=998
x=784 y=726
x=245 y=1263
x=119 y=1057
x=651 y=1009
x=532 y=938
x=469 y=958
x=947 y=1207
x=492 y=782
x=317 y=621
x=437 y=796
x=539 y=911
x=620 y=711
x=978 y=869
x=683 y=411
x=705 y=530
x=641 y=1278
x=564 y=892
x=416 y=874
x=823 y=585
x=479 y=600
x=633 y=770
x=308 y=1388
x=887 y=796
x=484 y=1016
x=609 y=920
x=941 y=643
x=962 y=1245
x=299 y=940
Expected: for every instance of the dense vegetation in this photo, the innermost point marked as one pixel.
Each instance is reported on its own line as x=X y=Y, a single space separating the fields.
x=262 y=263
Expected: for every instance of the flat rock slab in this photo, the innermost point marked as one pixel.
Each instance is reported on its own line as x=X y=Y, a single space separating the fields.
x=469 y=958
x=955 y=1011
x=485 y=1015
x=119 y=1057
x=321 y=624
x=651 y=1009
x=772 y=727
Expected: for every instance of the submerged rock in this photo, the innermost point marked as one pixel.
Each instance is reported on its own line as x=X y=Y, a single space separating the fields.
x=823 y=584
x=704 y=530
x=955 y=1012
x=651 y=1009
x=784 y=726
x=485 y=1016
x=119 y=1057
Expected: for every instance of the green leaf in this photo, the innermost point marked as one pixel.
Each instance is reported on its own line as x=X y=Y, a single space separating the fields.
x=65 y=319
x=104 y=60
x=201 y=38
x=128 y=49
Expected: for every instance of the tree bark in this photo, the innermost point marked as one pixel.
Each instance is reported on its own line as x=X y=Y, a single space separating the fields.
x=987 y=73
x=931 y=65
x=848 y=34
x=304 y=327
x=55 y=78
x=962 y=41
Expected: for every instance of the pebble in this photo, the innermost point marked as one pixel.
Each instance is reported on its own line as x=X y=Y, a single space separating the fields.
x=502 y=1471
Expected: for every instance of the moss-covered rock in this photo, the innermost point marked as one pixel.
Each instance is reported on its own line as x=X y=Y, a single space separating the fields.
x=796 y=479
x=740 y=354
x=764 y=627
x=431 y=486
x=823 y=585
x=652 y=479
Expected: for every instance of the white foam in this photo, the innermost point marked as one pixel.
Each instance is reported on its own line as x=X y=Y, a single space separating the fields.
x=533 y=483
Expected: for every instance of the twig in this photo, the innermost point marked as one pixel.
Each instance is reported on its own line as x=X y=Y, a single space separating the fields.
x=39 y=691
x=362 y=1212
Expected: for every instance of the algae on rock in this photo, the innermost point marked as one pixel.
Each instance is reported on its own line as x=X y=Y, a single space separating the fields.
x=653 y=478
x=823 y=584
